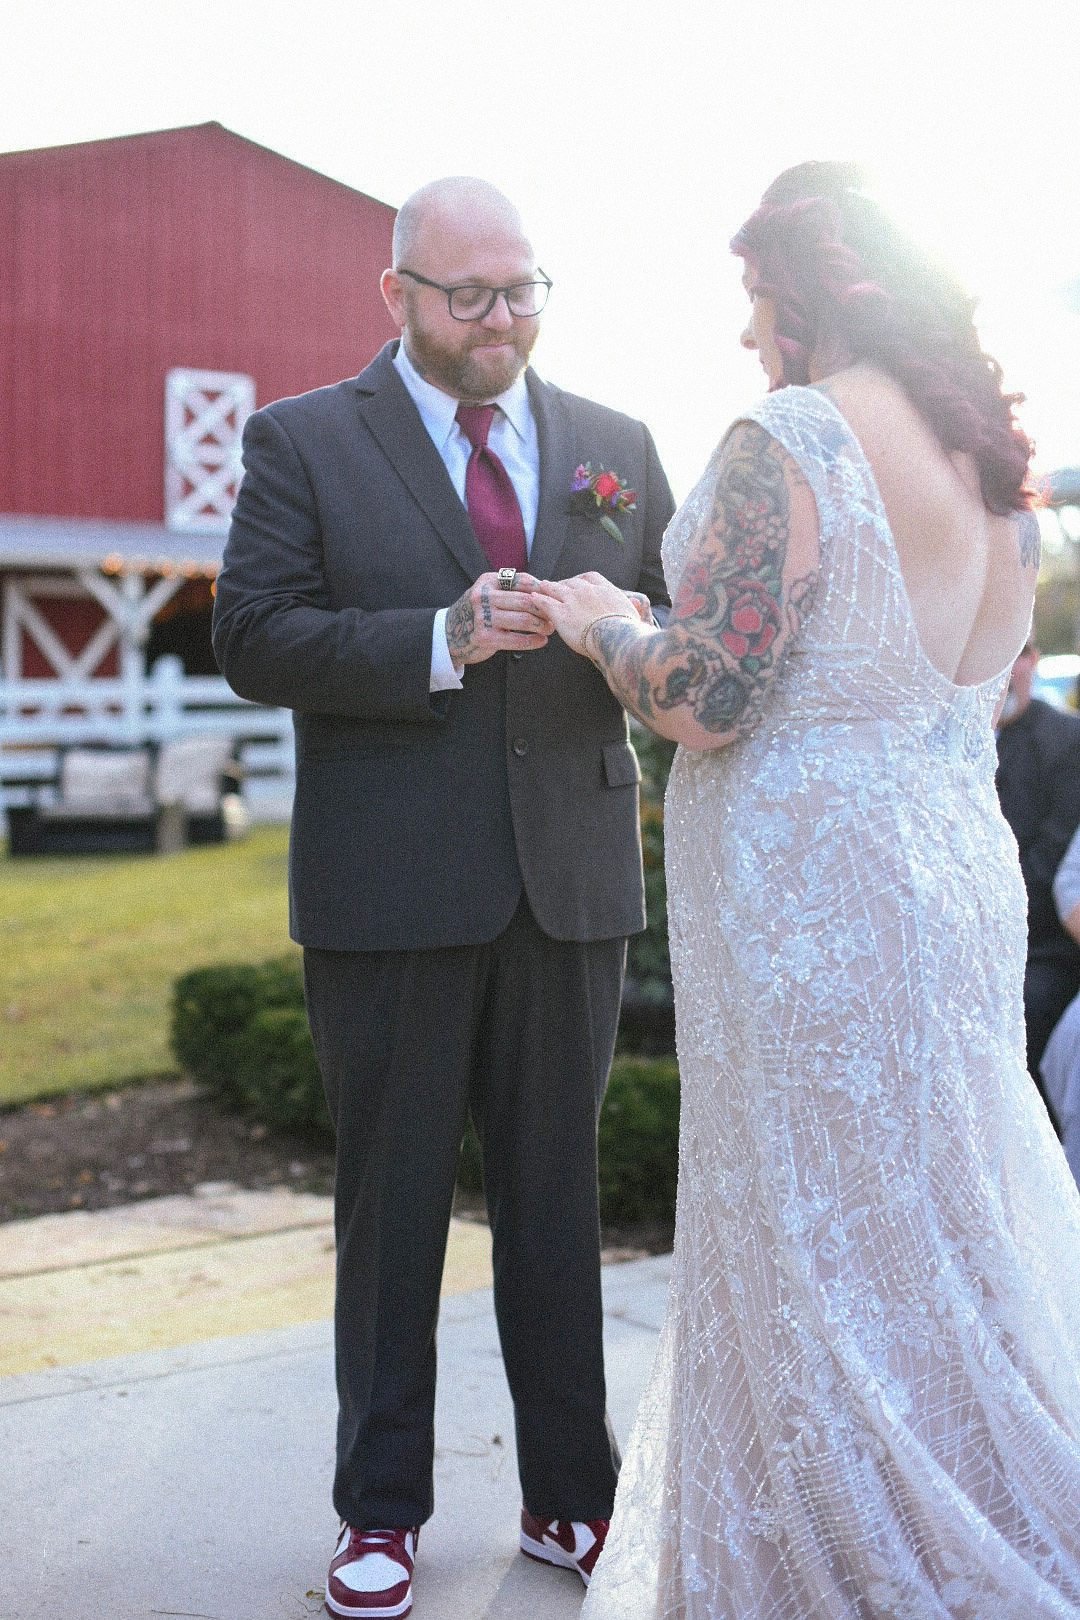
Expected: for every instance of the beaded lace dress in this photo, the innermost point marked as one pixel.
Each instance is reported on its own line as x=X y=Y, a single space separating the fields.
x=866 y=1400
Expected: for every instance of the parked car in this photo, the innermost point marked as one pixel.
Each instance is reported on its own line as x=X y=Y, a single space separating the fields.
x=1056 y=680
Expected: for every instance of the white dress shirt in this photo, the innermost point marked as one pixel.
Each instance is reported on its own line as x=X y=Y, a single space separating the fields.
x=513 y=439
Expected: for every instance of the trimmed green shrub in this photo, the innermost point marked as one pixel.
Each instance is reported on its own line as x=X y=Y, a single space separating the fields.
x=638 y=1144
x=241 y=1029
x=648 y=965
x=639 y=1140
x=470 y=1171
x=277 y=1071
x=212 y=1007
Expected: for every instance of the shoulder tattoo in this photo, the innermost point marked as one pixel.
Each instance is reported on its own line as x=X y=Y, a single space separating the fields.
x=1029 y=538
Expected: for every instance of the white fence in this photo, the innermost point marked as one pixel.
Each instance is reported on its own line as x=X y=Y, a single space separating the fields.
x=39 y=717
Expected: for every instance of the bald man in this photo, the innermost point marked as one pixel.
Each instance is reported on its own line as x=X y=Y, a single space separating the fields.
x=464 y=864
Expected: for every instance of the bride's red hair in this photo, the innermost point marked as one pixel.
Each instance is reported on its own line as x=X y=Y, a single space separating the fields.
x=841 y=273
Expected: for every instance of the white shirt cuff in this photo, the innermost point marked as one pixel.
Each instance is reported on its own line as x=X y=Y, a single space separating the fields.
x=445 y=674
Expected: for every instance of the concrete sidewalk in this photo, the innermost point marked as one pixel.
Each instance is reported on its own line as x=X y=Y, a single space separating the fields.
x=192 y=1479
x=178 y=1270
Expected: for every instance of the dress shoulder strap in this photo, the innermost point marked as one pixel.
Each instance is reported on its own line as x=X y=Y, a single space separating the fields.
x=810 y=428
x=818 y=439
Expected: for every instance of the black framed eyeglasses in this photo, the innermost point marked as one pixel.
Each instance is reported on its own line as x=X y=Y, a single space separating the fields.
x=472 y=302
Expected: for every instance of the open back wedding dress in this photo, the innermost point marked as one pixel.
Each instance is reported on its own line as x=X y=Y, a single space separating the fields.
x=866 y=1400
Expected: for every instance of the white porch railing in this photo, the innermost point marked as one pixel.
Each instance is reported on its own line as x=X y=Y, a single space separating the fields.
x=38 y=717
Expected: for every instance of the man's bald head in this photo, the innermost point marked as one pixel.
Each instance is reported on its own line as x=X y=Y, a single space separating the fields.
x=461 y=233
x=460 y=208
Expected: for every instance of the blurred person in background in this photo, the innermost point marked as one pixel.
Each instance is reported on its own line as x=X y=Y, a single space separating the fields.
x=1060 y=1067
x=1038 y=782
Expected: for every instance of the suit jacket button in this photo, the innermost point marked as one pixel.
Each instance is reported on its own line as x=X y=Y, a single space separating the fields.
x=520 y=746
x=516 y=656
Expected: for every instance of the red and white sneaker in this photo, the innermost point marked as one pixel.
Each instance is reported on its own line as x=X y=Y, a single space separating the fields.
x=567 y=1543
x=371 y=1573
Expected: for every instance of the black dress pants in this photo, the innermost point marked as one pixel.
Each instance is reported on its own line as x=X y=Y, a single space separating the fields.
x=521 y=1031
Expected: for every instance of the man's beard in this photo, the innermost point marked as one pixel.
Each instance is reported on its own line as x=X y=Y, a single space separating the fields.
x=473 y=374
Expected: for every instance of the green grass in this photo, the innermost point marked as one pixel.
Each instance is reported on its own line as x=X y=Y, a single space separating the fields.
x=89 y=949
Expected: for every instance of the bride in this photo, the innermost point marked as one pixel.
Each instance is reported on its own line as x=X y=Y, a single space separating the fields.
x=866 y=1400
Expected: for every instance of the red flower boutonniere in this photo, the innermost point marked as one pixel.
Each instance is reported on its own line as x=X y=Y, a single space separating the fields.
x=599 y=495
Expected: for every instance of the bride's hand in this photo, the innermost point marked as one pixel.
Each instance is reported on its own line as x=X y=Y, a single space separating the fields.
x=572 y=605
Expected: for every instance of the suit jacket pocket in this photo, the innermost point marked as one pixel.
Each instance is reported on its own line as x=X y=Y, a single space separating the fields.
x=621 y=765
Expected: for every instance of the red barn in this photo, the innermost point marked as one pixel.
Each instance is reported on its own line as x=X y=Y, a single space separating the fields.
x=153 y=289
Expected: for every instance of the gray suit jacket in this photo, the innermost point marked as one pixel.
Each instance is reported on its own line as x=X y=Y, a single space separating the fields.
x=419 y=816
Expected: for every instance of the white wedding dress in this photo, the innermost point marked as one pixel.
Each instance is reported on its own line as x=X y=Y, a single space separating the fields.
x=866 y=1400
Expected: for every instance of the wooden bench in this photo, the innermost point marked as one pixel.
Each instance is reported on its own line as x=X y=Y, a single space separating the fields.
x=133 y=800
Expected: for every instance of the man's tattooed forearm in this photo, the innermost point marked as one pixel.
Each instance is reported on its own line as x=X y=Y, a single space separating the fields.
x=731 y=625
x=460 y=623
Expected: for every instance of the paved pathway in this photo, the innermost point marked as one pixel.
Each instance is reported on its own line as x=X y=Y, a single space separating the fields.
x=176 y=1270
x=189 y=1476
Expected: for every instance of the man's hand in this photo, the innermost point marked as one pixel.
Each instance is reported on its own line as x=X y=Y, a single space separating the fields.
x=488 y=620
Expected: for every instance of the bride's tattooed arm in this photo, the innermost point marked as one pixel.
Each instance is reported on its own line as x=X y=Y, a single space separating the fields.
x=745 y=591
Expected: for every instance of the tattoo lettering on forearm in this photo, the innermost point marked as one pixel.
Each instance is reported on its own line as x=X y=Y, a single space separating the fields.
x=460 y=624
x=1030 y=539
x=730 y=624
x=485 y=606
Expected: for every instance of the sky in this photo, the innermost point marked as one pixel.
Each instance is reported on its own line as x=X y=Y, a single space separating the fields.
x=635 y=138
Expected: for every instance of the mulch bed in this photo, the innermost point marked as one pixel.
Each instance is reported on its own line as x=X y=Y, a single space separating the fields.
x=100 y=1149
x=95 y=1150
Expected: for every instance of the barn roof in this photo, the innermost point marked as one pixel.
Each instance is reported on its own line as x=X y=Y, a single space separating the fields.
x=181 y=136
x=127 y=259
x=117 y=545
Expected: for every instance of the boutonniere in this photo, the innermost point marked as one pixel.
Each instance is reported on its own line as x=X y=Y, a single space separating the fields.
x=598 y=495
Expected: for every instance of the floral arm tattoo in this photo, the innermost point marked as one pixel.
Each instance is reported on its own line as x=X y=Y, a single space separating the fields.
x=742 y=599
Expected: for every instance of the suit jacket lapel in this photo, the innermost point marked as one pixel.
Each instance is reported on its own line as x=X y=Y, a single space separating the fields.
x=555 y=436
x=395 y=422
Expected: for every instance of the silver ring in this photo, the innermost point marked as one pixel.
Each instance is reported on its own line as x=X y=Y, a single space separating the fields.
x=507 y=578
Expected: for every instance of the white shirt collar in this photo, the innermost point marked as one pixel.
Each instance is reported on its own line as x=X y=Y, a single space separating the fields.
x=514 y=404
x=438 y=410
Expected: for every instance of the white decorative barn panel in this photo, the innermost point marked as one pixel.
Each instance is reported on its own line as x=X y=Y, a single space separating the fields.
x=205 y=412
x=128 y=609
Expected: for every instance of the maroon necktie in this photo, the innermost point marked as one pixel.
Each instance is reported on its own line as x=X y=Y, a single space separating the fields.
x=489 y=494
